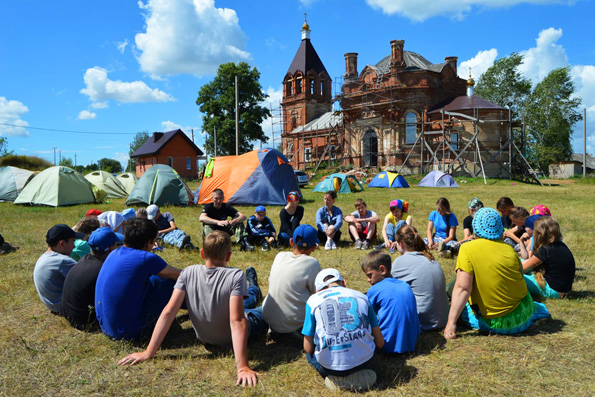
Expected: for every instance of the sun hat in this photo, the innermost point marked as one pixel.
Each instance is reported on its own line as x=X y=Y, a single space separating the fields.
x=129 y=213
x=103 y=238
x=487 y=224
x=260 y=208
x=530 y=221
x=319 y=282
x=540 y=210
x=152 y=211
x=475 y=203
x=305 y=236
x=401 y=204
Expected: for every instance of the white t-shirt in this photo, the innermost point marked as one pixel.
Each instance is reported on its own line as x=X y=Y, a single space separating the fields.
x=369 y=214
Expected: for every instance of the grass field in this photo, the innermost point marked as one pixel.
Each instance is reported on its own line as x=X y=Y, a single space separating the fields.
x=40 y=354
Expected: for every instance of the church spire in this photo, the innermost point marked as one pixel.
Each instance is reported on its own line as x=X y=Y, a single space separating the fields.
x=305 y=29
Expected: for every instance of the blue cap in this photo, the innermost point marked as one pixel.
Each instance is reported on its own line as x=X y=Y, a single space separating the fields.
x=305 y=236
x=530 y=221
x=103 y=238
x=487 y=224
x=128 y=214
x=260 y=208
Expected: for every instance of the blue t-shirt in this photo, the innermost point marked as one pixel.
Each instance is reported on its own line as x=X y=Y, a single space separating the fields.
x=440 y=223
x=394 y=302
x=122 y=286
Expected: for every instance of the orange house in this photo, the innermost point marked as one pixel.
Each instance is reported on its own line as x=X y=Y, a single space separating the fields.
x=171 y=148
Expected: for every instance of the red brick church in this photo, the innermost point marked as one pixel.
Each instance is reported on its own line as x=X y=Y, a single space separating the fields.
x=400 y=110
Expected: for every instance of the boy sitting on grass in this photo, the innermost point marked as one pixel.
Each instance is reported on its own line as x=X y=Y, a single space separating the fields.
x=260 y=231
x=291 y=283
x=214 y=295
x=394 y=302
x=362 y=225
x=340 y=333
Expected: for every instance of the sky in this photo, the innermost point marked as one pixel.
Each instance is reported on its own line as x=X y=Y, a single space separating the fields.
x=79 y=79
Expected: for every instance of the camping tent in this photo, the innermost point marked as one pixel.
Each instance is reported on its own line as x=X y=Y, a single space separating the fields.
x=438 y=179
x=12 y=181
x=108 y=183
x=261 y=176
x=128 y=179
x=160 y=185
x=341 y=183
x=57 y=186
x=388 y=179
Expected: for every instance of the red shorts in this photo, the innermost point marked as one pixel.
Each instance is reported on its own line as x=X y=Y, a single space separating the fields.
x=364 y=233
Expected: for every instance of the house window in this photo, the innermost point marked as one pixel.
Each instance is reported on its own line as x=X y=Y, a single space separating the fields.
x=188 y=163
x=170 y=162
x=410 y=128
x=307 y=155
x=454 y=141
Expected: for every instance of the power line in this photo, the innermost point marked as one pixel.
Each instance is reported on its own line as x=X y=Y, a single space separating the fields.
x=70 y=131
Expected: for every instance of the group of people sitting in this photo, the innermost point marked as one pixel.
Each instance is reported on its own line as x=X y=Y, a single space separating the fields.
x=129 y=292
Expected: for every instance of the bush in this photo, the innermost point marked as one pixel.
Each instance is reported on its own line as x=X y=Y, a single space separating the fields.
x=30 y=163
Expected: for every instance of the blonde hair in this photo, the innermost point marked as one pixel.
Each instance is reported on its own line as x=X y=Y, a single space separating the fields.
x=545 y=232
x=216 y=245
x=412 y=241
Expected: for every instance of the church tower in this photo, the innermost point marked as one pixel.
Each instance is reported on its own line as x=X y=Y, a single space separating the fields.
x=306 y=86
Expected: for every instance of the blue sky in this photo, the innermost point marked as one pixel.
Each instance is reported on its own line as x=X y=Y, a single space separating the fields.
x=107 y=69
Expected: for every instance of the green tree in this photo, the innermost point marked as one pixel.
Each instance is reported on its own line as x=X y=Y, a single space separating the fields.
x=139 y=139
x=67 y=162
x=503 y=84
x=91 y=167
x=552 y=111
x=110 y=165
x=4 y=147
x=217 y=102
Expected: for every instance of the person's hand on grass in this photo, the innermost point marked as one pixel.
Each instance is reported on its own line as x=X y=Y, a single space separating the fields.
x=247 y=377
x=135 y=358
x=450 y=332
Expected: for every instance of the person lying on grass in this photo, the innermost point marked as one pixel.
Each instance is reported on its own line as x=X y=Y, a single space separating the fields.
x=214 y=295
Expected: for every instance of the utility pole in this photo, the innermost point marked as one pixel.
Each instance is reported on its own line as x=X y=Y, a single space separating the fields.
x=584 y=142
x=192 y=135
x=55 y=155
x=237 y=118
x=75 y=160
x=60 y=152
x=215 y=139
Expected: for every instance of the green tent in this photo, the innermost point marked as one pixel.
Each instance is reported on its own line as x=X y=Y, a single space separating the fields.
x=57 y=186
x=341 y=183
x=160 y=185
x=128 y=179
x=108 y=183
x=12 y=181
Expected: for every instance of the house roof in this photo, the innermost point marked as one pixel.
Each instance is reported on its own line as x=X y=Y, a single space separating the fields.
x=327 y=120
x=578 y=157
x=465 y=102
x=159 y=140
x=413 y=61
x=306 y=59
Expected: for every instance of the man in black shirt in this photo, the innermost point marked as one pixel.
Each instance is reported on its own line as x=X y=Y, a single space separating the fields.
x=215 y=217
x=78 y=295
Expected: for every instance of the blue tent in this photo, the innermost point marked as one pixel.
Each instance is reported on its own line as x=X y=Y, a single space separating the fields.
x=388 y=179
x=341 y=183
x=438 y=179
x=258 y=177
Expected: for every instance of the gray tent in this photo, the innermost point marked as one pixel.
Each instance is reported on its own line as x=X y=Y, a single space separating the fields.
x=160 y=185
x=57 y=186
x=12 y=181
x=128 y=179
x=108 y=183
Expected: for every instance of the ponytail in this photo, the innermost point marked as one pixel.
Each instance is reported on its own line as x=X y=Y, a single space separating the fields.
x=412 y=241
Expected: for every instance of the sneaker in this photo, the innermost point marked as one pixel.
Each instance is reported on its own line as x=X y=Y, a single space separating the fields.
x=327 y=245
x=391 y=250
x=251 y=276
x=357 y=381
x=379 y=247
x=366 y=245
x=441 y=246
x=245 y=246
x=333 y=244
x=265 y=246
x=185 y=242
x=358 y=244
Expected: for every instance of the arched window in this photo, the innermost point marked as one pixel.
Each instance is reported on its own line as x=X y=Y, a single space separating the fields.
x=312 y=86
x=322 y=87
x=370 y=149
x=288 y=88
x=298 y=86
x=410 y=128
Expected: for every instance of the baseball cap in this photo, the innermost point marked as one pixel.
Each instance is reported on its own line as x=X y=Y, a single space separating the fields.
x=487 y=224
x=530 y=221
x=103 y=238
x=93 y=212
x=319 y=282
x=260 y=208
x=401 y=204
x=305 y=236
x=475 y=203
x=61 y=232
x=152 y=211
x=128 y=214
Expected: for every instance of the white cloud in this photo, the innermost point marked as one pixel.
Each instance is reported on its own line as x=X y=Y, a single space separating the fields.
x=122 y=158
x=170 y=126
x=86 y=115
x=100 y=105
x=478 y=64
x=420 y=10
x=545 y=56
x=122 y=46
x=188 y=37
x=100 y=88
x=10 y=113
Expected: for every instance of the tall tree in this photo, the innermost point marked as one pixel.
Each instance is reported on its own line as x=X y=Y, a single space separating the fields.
x=67 y=162
x=110 y=165
x=139 y=139
x=217 y=102
x=552 y=111
x=504 y=85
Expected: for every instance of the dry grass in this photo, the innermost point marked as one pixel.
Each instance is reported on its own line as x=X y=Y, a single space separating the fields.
x=42 y=355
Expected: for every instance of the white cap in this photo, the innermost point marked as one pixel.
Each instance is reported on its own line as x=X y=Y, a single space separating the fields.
x=319 y=283
x=152 y=211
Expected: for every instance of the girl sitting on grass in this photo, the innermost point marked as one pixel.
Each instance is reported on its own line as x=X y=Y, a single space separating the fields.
x=445 y=222
x=551 y=268
x=512 y=236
